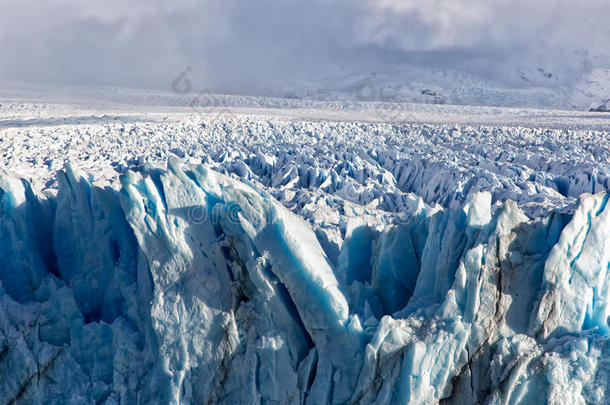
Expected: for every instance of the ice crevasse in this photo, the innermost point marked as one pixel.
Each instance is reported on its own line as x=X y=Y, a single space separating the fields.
x=187 y=287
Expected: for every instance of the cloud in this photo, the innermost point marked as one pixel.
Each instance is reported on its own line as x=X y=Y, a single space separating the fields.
x=256 y=46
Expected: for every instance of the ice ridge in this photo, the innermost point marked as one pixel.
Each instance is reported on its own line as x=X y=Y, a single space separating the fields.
x=187 y=286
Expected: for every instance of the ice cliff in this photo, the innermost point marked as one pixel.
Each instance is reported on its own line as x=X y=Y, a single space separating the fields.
x=186 y=286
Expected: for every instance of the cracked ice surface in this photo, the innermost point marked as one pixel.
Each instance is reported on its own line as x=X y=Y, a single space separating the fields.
x=302 y=262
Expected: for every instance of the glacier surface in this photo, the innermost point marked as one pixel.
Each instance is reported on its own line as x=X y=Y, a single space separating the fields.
x=289 y=260
x=188 y=286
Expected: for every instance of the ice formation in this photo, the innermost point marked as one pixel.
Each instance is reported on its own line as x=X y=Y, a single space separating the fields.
x=303 y=256
x=185 y=285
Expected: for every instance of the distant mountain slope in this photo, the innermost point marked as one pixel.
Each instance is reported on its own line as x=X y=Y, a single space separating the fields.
x=507 y=86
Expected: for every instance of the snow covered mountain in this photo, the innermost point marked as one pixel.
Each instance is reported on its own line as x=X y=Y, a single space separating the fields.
x=507 y=86
x=363 y=254
x=578 y=84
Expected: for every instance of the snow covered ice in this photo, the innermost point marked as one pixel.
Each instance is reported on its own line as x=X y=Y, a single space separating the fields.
x=284 y=256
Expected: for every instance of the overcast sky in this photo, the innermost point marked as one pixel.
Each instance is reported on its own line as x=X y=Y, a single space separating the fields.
x=251 y=46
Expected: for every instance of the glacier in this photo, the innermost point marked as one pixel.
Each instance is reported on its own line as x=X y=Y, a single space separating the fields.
x=185 y=285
